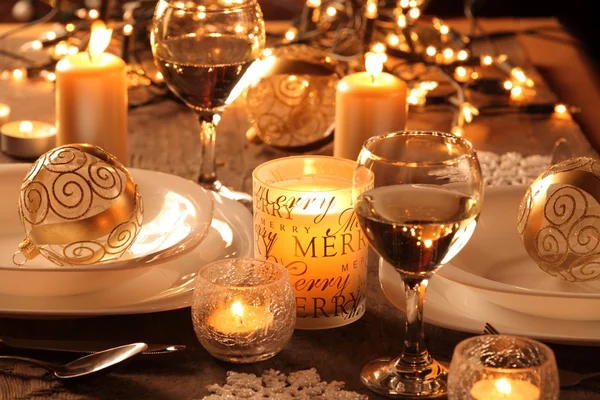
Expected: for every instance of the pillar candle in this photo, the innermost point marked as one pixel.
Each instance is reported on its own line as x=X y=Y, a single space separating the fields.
x=304 y=220
x=367 y=104
x=91 y=98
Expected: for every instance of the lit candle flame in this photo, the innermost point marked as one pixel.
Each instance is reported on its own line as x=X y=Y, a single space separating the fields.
x=237 y=310
x=26 y=127
x=374 y=62
x=503 y=386
x=99 y=38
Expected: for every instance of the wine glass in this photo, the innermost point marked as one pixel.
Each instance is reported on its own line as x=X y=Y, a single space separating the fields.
x=207 y=52
x=421 y=211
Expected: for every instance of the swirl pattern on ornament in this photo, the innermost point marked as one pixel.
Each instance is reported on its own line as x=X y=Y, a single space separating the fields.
x=121 y=237
x=105 y=181
x=71 y=196
x=551 y=245
x=64 y=159
x=583 y=236
x=588 y=272
x=564 y=205
x=34 y=203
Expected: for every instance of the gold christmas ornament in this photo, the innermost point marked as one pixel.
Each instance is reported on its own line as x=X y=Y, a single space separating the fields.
x=78 y=206
x=292 y=107
x=559 y=220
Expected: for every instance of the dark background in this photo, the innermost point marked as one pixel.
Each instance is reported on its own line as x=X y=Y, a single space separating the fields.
x=578 y=16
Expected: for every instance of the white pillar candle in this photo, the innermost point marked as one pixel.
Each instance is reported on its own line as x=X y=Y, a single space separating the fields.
x=367 y=104
x=27 y=139
x=91 y=97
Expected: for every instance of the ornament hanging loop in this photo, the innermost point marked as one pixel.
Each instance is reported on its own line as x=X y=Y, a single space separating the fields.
x=27 y=251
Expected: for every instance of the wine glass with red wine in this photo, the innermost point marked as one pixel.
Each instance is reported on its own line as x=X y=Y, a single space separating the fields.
x=207 y=52
x=421 y=211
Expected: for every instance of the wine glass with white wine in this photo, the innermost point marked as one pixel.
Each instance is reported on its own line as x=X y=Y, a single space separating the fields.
x=208 y=52
x=421 y=211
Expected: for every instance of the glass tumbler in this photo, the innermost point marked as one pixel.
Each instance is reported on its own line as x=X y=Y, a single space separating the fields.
x=243 y=309
x=490 y=367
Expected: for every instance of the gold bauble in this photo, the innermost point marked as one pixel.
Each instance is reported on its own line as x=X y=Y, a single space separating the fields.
x=78 y=206
x=292 y=106
x=559 y=220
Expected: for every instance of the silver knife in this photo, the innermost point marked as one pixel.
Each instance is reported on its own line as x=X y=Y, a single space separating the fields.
x=83 y=347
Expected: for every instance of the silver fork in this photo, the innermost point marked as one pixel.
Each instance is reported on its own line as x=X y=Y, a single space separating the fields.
x=567 y=379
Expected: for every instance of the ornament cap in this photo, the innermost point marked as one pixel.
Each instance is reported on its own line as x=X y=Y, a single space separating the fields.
x=27 y=249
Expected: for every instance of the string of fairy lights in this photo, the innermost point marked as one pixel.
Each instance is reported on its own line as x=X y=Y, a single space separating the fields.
x=427 y=53
x=415 y=49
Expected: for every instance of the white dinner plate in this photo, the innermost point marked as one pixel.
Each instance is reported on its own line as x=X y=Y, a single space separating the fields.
x=496 y=265
x=177 y=216
x=162 y=287
x=454 y=306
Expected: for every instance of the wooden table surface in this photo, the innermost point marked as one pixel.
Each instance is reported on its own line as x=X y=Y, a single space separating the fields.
x=164 y=137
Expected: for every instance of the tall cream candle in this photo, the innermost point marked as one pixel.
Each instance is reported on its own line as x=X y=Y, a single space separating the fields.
x=91 y=98
x=367 y=104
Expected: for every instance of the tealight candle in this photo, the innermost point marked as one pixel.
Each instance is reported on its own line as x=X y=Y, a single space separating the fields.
x=27 y=139
x=243 y=309
x=304 y=219
x=367 y=104
x=240 y=319
x=4 y=113
x=91 y=97
x=504 y=389
x=502 y=367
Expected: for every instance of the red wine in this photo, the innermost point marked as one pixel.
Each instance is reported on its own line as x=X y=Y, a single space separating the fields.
x=203 y=71
x=416 y=228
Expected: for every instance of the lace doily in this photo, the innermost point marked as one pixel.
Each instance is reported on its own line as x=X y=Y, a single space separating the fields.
x=272 y=384
x=511 y=168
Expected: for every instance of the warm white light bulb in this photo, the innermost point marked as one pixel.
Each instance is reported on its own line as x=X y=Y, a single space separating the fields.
x=393 y=40
x=291 y=34
x=487 y=60
x=560 y=109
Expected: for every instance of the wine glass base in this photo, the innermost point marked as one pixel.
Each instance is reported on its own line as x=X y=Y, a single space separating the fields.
x=217 y=186
x=386 y=377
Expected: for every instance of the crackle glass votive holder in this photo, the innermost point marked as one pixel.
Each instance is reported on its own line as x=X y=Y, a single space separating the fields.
x=243 y=309
x=490 y=367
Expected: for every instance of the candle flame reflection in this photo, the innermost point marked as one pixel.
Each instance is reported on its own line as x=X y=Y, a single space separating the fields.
x=99 y=38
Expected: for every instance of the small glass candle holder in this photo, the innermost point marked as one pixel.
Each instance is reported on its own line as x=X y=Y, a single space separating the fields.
x=494 y=367
x=244 y=309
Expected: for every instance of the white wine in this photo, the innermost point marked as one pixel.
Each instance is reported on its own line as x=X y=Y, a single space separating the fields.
x=203 y=71
x=416 y=228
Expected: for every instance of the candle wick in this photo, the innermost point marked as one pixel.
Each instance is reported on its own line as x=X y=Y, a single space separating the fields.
x=90 y=55
x=372 y=78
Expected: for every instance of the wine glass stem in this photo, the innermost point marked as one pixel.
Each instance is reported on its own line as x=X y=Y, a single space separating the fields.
x=208 y=133
x=414 y=352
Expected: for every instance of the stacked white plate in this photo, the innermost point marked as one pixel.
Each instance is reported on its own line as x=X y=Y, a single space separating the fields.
x=184 y=228
x=494 y=280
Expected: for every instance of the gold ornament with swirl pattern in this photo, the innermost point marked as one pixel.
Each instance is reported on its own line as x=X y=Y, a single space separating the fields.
x=78 y=206
x=559 y=220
